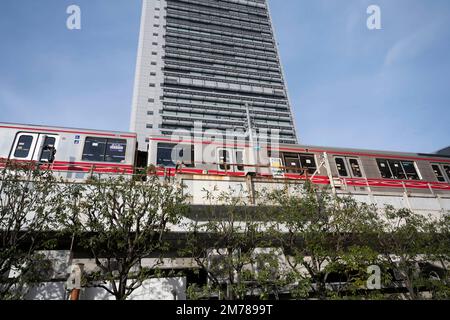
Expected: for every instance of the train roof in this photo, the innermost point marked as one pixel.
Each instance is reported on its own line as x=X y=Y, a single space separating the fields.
x=33 y=127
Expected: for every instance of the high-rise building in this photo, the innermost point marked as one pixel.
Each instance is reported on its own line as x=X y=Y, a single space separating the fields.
x=213 y=62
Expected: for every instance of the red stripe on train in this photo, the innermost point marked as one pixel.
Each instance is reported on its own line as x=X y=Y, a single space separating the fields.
x=96 y=164
x=354 y=182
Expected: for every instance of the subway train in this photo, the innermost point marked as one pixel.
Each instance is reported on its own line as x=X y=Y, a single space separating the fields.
x=78 y=153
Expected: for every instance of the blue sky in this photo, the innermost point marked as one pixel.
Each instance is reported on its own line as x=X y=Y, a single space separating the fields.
x=386 y=89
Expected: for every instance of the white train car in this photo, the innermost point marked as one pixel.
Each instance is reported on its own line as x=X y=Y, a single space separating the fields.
x=72 y=153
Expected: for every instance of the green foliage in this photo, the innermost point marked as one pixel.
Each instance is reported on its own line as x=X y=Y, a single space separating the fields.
x=416 y=248
x=330 y=241
x=315 y=229
x=224 y=247
x=29 y=204
x=121 y=221
x=300 y=242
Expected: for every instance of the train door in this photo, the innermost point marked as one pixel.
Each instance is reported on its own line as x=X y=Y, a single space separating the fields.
x=224 y=158
x=34 y=147
x=349 y=167
x=47 y=144
x=24 y=146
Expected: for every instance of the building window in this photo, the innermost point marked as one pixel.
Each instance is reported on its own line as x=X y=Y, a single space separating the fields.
x=23 y=146
x=150 y=113
x=149 y=126
x=104 y=150
x=396 y=169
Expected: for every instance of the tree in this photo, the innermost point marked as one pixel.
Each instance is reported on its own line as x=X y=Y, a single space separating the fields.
x=29 y=203
x=314 y=244
x=224 y=246
x=438 y=277
x=121 y=221
x=413 y=247
x=326 y=240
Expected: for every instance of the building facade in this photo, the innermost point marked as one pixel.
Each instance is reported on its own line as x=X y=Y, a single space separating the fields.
x=209 y=65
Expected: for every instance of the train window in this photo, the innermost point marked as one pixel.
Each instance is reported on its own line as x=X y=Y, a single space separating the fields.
x=48 y=150
x=356 y=169
x=94 y=149
x=447 y=171
x=437 y=171
x=395 y=169
x=340 y=164
x=169 y=154
x=224 y=159
x=240 y=160
x=296 y=162
x=115 y=150
x=23 y=146
x=309 y=162
x=410 y=170
x=384 y=169
x=104 y=150
x=164 y=155
x=292 y=162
